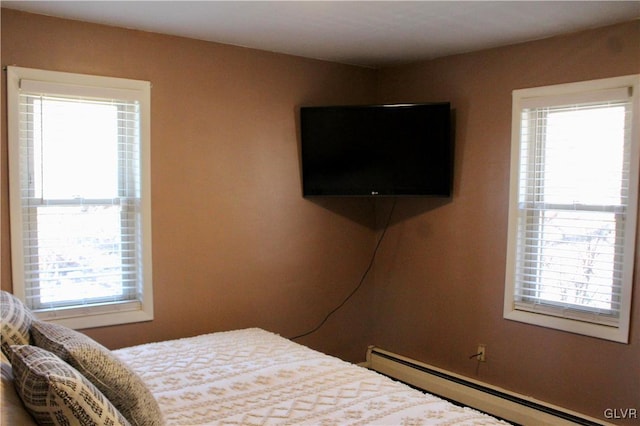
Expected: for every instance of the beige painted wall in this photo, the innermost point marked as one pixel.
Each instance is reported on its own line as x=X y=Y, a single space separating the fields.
x=440 y=276
x=235 y=245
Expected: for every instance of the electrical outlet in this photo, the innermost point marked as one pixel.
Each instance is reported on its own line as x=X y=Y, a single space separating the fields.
x=482 y=352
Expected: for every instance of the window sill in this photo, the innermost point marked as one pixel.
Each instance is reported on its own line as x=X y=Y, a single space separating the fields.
x=616 y=334
x=98 y=316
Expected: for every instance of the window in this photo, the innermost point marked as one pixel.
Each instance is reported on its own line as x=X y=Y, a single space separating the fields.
x=79 y=196
x=573 y=206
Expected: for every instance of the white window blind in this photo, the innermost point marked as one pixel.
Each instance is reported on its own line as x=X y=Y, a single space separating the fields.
x=80 y=223
x=573 y=207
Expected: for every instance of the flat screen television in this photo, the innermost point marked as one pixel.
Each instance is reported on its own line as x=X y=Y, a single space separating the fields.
x=377 y=150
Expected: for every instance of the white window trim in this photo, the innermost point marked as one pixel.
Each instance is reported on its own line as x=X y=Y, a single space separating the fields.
x=88 y=316
x=557 y=94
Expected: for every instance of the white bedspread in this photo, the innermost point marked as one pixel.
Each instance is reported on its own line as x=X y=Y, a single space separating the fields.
x=253 y=377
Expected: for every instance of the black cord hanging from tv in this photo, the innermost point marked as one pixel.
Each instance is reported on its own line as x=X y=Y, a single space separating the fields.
x=364 y=276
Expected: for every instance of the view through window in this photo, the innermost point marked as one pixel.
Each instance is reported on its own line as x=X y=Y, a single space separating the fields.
x=577 y=193
x=79 y=219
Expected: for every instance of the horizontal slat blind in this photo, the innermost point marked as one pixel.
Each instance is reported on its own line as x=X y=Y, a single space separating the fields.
x=572 y=204
x=78 y=91
x=80 y=195
x=577 y=99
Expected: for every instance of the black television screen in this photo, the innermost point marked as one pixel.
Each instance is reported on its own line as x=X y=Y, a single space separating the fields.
x=376 y=150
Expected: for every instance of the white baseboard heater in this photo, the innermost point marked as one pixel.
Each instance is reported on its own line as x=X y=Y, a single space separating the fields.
x=510 y=406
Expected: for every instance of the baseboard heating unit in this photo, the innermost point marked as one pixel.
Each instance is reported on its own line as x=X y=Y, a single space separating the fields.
x=510 y=406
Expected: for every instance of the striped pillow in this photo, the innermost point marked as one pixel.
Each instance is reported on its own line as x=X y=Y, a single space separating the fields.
x=115 y=379
x=16 y=321
x=56 y=394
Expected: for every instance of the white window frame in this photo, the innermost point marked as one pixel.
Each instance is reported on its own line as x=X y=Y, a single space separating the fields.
x=580 y=321
x=81 y=85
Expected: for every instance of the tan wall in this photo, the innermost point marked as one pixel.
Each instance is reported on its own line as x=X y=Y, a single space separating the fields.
x=440 y=274
x=234 y=243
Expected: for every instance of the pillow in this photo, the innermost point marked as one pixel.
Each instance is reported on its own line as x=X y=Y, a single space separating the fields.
x=57 y=394
x=13 y=410
x=121 y=385
x=16 y=321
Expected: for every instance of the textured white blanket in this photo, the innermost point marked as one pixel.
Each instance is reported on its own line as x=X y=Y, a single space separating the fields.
x=253 y=377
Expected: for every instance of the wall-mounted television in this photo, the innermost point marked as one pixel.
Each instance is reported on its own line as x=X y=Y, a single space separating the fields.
x=377 y=150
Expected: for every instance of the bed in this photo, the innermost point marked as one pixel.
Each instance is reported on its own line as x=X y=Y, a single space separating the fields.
x=239 y=377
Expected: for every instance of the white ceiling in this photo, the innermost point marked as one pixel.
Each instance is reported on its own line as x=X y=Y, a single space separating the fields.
x=368 y=33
